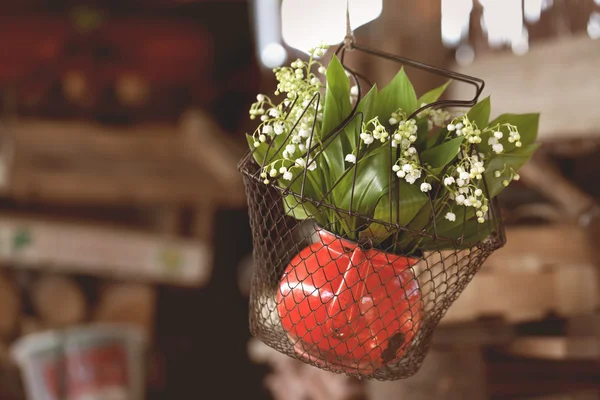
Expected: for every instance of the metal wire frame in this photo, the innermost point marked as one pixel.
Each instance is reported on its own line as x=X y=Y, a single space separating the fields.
x=278 y=238
x=478 y=83
x=451 y=263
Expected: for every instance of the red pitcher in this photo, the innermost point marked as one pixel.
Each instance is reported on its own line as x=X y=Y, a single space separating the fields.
x=349 y=308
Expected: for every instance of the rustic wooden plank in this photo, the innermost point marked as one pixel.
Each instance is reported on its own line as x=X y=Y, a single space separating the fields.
x=508 y=78
x=203 y=141
x=103 y=251
x=91 y=163
x=513 y=296
x=556 y=348
x=525 y=296
x=534 y=248
x=10 y=306
x=577 y=289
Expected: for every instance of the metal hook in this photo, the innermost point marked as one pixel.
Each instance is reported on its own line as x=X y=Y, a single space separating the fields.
x=349 y=39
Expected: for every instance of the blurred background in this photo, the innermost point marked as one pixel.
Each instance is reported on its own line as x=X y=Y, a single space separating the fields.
x=122 y=122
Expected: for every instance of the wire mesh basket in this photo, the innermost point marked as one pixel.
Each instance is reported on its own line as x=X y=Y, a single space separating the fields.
x=359 y=303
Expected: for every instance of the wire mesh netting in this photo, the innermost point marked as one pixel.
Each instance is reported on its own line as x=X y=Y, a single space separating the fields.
x=365 y=303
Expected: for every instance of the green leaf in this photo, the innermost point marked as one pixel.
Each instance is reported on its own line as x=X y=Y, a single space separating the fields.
x=480 y=113
x=299 y=210
x=409 y=199
x=438 y=138
x=354 y=128
x=266 y=153
x=337 y=107
x=528 y=125
x=449 y=229
x=407 y=241
x=422 y=134
x=291 y=205
x=434 y=94
x=466 y=223
x=470 y=231
x=440 y=156
x=337 y=97
x=313 y=190
x=370 y=183
x=399 y=93
x=367 y=103
x=514 y=160
x=443 y=226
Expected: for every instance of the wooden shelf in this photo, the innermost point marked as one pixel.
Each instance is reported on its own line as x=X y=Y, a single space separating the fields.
x=553 y=78
x=110 y=252
x=189 y=163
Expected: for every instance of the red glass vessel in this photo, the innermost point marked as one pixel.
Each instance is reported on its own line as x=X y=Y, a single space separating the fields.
x=349 y=308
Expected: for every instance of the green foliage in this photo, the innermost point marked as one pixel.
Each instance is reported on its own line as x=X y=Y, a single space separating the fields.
x=480 y=113
x=365 y=184
x=398 y=94
x=337 y=108
x=515 y=160
x=399 y=206
x=434 y=94
x=439 y=156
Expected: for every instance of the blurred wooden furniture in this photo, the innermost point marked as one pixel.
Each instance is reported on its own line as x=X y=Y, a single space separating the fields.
x=556 y=348
x=10 y=306
x=541 y=270
x=107 y=252
x=528 y=83
x=190 y=163
x=580 y=340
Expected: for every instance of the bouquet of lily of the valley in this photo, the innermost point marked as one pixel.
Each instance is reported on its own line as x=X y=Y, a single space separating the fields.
x=384 y=181
x=383 y=168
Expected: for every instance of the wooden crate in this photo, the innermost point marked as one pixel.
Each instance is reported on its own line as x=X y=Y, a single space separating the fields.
x=541 y=270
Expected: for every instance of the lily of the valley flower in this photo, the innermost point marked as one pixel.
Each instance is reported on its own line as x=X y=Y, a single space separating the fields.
x=366 y=138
